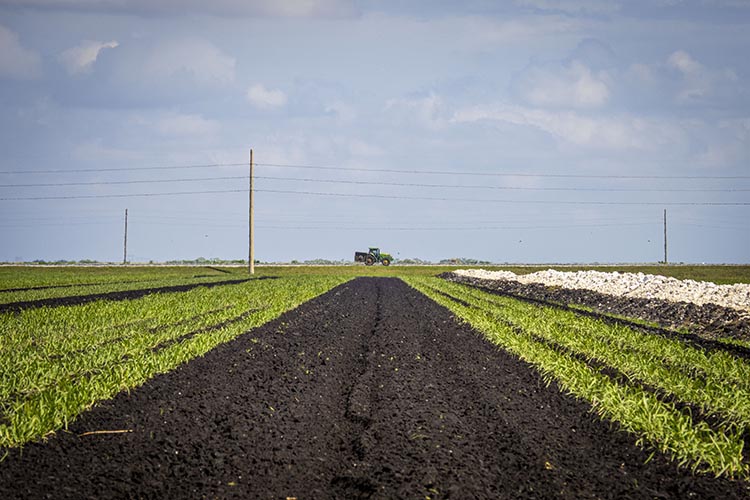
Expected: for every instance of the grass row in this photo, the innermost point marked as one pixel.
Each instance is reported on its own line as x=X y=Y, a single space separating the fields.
x=11 y=296
x=32 y=276
x=57 y=362
x=559 y=342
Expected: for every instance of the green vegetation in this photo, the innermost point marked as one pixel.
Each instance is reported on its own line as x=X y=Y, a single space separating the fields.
x=571 y=350
x=56 y=362
x=53 y=292
x=33 y=276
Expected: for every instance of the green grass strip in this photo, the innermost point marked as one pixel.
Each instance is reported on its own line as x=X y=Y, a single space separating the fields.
x=46 y=404
x=656 y=423
x=96 y=289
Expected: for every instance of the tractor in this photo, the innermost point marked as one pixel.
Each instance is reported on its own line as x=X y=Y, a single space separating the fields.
x=372 y=256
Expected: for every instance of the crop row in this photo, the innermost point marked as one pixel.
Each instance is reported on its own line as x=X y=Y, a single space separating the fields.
x=75 y=290
x=14 y=277
x=689 y=403
x=56 y=362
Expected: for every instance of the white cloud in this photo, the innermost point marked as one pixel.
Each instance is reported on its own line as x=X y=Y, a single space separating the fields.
x=682 y=61
x=642 y=73
x=726 y=145
x=261 y=97
x=81 y=58
x=529 y=29
x=618 y=132
x=185 y=125
x=341 y=110
x=428 y=111
x=573 y=6
x=195 y=58
x=285 y=8
x=301 y=8
x=17 y=61
x=698 y=81
x=94 y=150
x=574 y=85
x=359 y=148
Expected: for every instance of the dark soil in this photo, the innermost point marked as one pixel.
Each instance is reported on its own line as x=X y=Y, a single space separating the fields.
x=369 y=391
x=122 y=295
x=709 y=321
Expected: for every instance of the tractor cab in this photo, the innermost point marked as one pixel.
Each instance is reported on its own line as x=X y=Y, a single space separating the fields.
x=375 y=252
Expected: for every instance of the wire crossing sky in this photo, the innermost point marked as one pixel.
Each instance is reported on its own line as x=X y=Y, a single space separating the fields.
x=520 y=131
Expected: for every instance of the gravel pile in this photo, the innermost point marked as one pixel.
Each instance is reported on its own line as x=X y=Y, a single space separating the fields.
x=649 y=286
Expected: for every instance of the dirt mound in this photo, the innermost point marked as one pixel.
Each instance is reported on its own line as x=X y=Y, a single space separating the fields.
x=647 y=286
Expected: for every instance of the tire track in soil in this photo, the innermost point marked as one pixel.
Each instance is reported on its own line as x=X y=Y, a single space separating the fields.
x=371 y=390
x=354 y=483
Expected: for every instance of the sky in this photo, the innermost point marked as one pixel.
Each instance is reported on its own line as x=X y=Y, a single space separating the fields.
x=526 y=131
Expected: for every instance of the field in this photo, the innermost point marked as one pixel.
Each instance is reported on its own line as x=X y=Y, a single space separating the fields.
x=354 y=382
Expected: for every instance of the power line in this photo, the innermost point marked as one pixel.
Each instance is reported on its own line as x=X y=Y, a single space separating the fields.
x=349 y=228
x=386 y=170
x=378 y=196
x=107 y=183
x=503 y=188
x=454 y=228
x=132 y=195
x=121 y=169
x=371 y=183
x=526 y=202
x=503 y=174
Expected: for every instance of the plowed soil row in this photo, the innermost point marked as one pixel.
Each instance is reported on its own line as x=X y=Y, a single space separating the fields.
x=122 y=295
x=369 y=391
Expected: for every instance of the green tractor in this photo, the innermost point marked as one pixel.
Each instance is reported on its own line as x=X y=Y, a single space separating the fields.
x=372 y=256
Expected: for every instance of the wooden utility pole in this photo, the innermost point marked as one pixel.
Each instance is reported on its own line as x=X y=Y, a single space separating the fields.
x=125 y=243
x=665 y=236
x=251 y=229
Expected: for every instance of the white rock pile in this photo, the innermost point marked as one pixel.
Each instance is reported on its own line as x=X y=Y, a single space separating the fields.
x=648 y=286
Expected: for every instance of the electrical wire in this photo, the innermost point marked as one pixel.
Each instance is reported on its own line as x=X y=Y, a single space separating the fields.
x=503 y=188
x=524 y=202
x=504 y=174
x=121 y=169
x=374 y=183
x=385 y=170
x=131 y=195
x=107 y=183
x=379 y=196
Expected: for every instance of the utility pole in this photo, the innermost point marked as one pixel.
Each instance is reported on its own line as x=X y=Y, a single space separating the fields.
x=665 y=237
x=125 y=244
x=251 y=229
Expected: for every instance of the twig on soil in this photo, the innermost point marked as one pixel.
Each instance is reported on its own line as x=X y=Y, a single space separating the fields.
x=119 y=431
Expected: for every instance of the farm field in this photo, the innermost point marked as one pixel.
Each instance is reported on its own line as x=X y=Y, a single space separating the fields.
x=317 y=383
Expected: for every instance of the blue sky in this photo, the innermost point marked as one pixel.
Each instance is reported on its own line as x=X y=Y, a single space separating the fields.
x=519 y=131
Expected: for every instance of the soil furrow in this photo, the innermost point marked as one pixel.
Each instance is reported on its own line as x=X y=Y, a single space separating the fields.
x=369 y=391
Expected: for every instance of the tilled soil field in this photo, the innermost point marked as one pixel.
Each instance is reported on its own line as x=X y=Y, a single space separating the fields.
x=369 y=391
